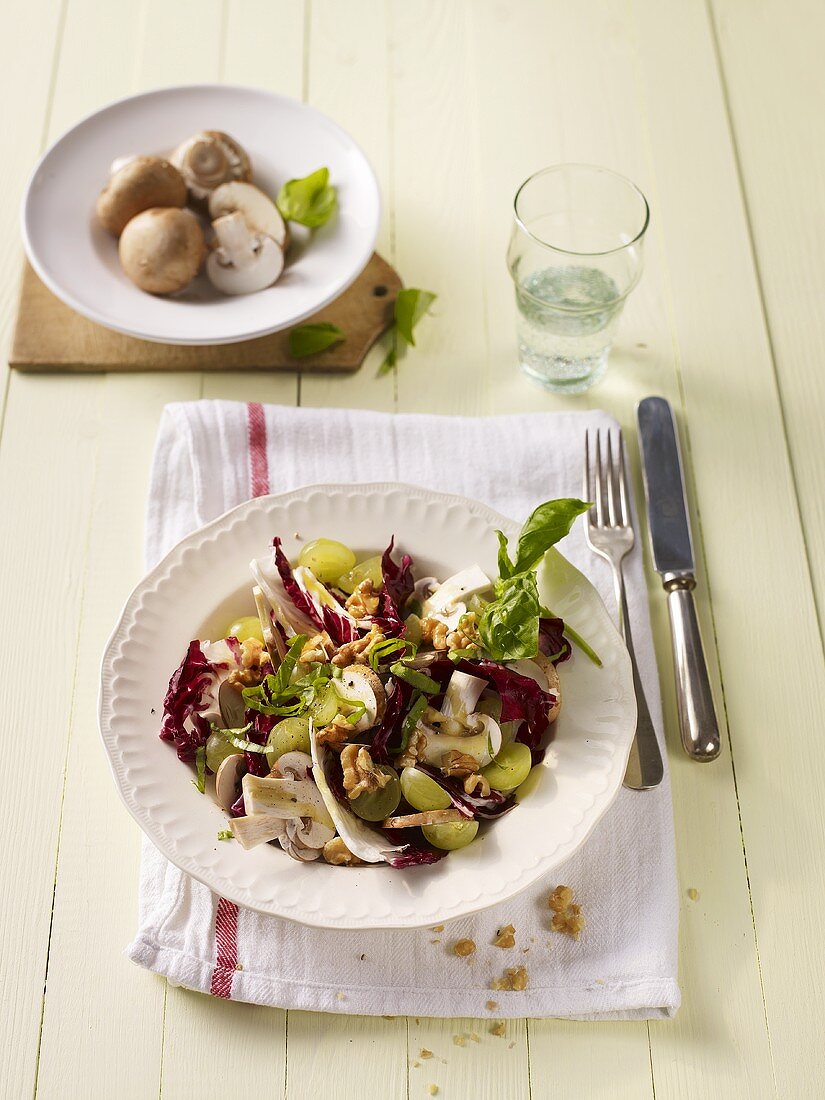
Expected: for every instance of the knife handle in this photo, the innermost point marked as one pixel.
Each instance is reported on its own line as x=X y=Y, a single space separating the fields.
x=697 y=716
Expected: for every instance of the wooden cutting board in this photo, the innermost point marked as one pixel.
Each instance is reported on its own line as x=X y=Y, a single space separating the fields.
x=49 y=336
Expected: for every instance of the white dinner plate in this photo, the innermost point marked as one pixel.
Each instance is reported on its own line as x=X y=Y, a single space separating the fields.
x=203 y=583
x=78 y=261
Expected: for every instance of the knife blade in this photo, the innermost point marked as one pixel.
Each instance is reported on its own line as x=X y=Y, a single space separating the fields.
x=672 y=548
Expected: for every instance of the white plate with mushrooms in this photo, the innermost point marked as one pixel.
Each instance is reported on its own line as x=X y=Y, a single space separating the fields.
x=203 y=581
x=187 y=245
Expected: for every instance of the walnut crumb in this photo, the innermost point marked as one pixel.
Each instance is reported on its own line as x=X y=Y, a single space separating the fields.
x=432 y=1090
x=567 y=916
x=505 y=937
x=514 y=978
x=424 y=1053
x=436 y=940
x=416 y=1064
x=463 y=948
x=437 y=928
x=693 y=893
x=460 y=1040
x=499 y=1028
x=341 y=996
x=474 y=1037
x=491 y=1006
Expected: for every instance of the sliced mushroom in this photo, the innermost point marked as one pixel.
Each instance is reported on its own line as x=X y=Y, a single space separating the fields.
x=359 y=684
x=259 y=211
x=304 y=838
x=284 y=798
x=481 y=739
x=447 y=603
x=162 y=249
x=543 y=671
x=137 y=185
x=292 y=765
x=228 y=779
x=256 y=829
x=428 y=817
x=208 y=159
x=242 y=263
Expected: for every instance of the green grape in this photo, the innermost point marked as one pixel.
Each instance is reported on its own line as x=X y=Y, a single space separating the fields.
x=422 y=792
x=327 y=559
x=369 y=569
x=413 y=625
x=510 y=768
x=325 y=706
x=530 y=784
x=290 y=735
x=452 y=835
x=217 y=750
x=376 y=805
x=244 y=628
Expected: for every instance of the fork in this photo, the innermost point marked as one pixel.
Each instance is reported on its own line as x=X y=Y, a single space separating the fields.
x=609 y=533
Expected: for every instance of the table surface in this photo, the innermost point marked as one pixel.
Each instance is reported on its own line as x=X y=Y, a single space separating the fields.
x=717 y=110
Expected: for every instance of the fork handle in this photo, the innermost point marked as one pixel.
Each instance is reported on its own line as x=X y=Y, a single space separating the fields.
x=697 y=716
x=644 y=767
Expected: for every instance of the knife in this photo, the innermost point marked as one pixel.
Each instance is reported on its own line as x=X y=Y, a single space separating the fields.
x=672 y=548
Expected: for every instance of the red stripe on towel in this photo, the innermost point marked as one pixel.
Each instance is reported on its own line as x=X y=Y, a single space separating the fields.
x=226 y=915
x=258 y=464
x=226 y=948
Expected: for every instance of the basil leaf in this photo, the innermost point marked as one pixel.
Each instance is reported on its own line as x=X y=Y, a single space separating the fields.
x=419 y=680
x=509 y=626
x=505 y=566
x=311 y=339
x=390 y=359
x=310 y=201
x=544 y=527
x=410 y=306
x=200 y=763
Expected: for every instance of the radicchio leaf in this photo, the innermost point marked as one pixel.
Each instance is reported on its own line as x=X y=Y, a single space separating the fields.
x=471 y=805
x=256 y=762
x=552 y=642
x=192 y=690
x=522 y=700
x=391 y=723
x=415 y=854
x=301 y=600
x=398 y=581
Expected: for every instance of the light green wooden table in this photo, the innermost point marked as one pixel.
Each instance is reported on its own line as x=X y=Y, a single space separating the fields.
x=718 y=111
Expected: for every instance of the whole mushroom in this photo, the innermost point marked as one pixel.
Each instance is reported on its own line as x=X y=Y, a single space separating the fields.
x=162 y=249
x=208 y=159
x=136 y=185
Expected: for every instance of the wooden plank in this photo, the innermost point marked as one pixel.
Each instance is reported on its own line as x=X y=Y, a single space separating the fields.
x=345 y=1057
x=28 y=56
x=740 y=461
x=51 y=337
x=771 y=57
x=468 y=1059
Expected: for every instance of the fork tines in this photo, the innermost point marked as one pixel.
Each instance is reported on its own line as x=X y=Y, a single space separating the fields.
x=605 y=482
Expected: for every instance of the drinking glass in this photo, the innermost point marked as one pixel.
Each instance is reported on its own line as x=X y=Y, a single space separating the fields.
x=575 y=254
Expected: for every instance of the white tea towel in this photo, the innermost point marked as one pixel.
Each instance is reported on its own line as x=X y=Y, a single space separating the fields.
x=211 y=456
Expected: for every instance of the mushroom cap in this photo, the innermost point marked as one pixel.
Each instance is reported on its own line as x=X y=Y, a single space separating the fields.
x=162 y=249
x=208 y=159
x=259 y=211
x=140 y=183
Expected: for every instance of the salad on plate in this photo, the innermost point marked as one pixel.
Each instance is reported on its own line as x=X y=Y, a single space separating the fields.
x=369 y=715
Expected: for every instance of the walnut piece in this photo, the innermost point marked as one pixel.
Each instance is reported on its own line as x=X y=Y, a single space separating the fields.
x=491 y=1006
x=414 y=750
x=567 y=916
x=336 y=734
x=435 y=633
x=506 y=937
x=360 y=774
x=477 y=784
x=514 y=978
x=252 y=671
x=499 y=1028
x=363 y=603
x=466 y=637
x=424 y=1053
x=458 y=763
x=338 y=854
x=358 y=652
x=318 y=649
x=463 y=948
